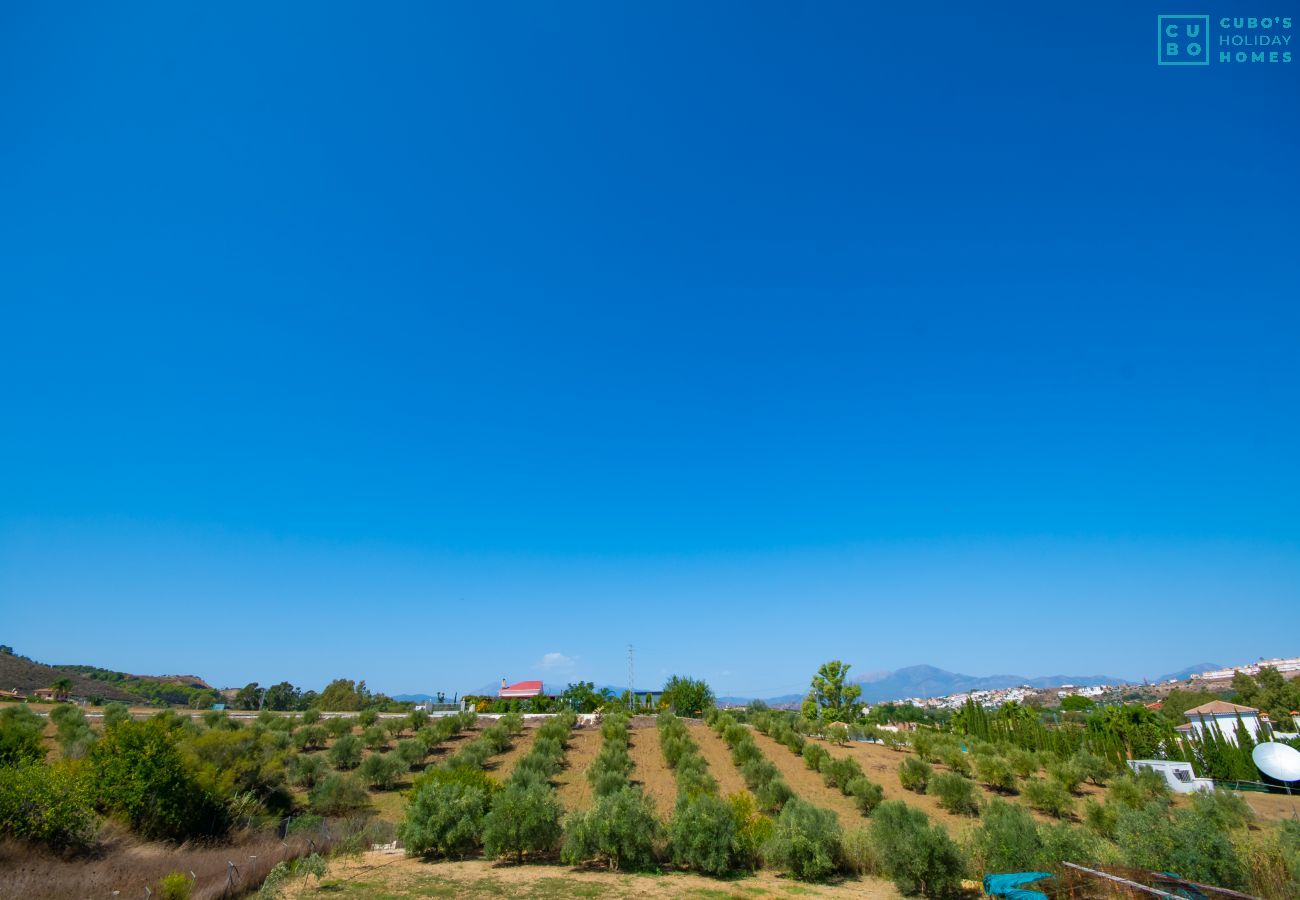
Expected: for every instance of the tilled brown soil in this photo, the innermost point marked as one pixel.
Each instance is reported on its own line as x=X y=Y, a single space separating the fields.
x=807 y=784
x=571 y=781
x=651 y=771
x=881 y=766
x=716 y=754
x=502 y=765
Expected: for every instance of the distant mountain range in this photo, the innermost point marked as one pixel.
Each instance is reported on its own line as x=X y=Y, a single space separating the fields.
x=1183 y=674
x=912 y=681
x=930 y=681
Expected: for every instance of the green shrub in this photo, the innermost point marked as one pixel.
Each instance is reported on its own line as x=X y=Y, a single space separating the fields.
x=866 y=794
x=1101 y=818
x=838 y=734
x=381 y=770
x=1135 y=791
x=606 y=781
x=773 y=795
x=305 y=771
x=244 y=764
x=367 y=718
x=20 y=736
x=444 y=818
x=176 y=886
x=996 y=772
x=753 y=831
x=1092 y=767
x=758 y=772
x=925 y=745
x=918 y=857
x=411 y=752
x=522 y=819
x=1069 y=843
x=310 y=716
x=115 y=712
x=1007 y=839
x=837 y=773
x=374 y=737
x=956 y=794
x=139 y=775
x=1067 y=773
x=1272 y=860
x=956 y=761
x=858 y=853
x=475 y=778
x=346 y=752
x=49 y=805
x=620 y=830
x=914 y=774
x=1188 y=841
x=1024 y=763
x=310 y=737
x=1224 y=808
x=1048 y=795
x=702 y=834
x=813 y=755
x=806 y=841
x=338 y=795
x=394 y=727
x=417 y=719
x=338 y=726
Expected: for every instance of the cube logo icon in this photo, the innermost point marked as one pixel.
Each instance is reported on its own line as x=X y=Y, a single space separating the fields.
x=1182 y=40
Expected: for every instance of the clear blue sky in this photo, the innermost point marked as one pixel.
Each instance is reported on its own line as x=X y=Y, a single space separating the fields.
x=416 y=342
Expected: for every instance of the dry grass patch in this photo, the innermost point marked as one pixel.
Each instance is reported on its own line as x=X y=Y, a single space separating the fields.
x=378 y=876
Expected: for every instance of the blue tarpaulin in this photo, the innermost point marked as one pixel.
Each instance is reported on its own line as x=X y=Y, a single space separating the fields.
x=1009 y=885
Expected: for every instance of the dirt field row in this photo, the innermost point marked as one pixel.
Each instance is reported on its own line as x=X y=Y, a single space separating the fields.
x=718 y=757
x=377 y=875
x=571 y=782
x=650 y=769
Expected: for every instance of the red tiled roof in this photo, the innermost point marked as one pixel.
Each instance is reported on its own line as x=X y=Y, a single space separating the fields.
x=522 y=689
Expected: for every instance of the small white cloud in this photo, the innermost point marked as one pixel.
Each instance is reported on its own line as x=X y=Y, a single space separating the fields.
x=556 y=661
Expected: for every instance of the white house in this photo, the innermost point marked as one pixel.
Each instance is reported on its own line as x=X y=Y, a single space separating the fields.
x=1223 y=717
x=1180 y=776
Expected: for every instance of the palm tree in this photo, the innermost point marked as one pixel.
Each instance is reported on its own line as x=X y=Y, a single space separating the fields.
x=61 y=687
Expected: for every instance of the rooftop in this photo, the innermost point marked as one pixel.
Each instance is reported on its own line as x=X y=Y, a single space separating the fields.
x=1219 y=708
x=521 y=689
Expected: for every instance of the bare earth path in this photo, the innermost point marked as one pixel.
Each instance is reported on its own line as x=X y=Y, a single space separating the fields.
x=718 y=757
x=571 y=782
x=391 y=875
x=651 y=769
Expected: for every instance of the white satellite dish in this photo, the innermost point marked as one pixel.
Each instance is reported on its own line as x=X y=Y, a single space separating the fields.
x=1280 y=761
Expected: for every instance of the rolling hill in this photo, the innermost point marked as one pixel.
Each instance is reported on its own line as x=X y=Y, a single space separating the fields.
x=26 y=675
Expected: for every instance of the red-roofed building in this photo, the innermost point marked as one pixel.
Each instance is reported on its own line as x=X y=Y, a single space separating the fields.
x=520 y=690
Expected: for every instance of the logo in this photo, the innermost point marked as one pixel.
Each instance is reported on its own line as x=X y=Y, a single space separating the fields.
x=1187 y=41
x=1182 y=40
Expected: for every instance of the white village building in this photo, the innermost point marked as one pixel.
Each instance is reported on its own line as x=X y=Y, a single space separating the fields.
x=1180 y=776
x=1223 y=718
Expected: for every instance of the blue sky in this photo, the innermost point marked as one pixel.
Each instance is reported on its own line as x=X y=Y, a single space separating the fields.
x=436 y=344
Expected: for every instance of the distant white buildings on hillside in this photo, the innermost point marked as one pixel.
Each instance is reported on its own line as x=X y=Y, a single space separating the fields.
x=1291 y=664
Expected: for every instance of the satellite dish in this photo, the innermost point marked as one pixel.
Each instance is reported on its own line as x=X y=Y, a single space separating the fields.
x=1280 y=761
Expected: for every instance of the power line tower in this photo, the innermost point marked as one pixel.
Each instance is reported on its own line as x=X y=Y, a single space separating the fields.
x=631 y=680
